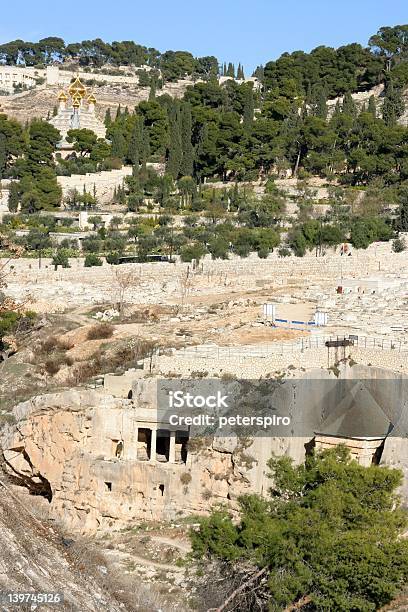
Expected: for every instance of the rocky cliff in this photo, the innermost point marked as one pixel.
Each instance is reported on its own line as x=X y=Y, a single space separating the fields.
x=93 y=456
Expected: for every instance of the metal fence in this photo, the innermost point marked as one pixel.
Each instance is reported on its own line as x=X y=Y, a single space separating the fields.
x=283 y=348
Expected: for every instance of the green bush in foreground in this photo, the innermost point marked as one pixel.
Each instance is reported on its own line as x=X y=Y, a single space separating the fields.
x=328 y=536
x=92 y=260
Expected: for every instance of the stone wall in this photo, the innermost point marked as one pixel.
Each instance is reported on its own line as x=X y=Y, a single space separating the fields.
x=104 y=183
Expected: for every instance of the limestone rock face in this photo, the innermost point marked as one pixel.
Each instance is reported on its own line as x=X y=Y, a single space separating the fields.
x=64 y=445
x=95 y=458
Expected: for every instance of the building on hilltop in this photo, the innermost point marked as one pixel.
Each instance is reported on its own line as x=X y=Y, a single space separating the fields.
x=76 y=110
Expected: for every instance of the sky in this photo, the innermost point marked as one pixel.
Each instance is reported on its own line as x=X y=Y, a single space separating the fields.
x=248 y=31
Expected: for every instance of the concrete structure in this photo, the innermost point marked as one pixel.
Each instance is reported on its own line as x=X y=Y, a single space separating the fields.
x=10 y=76
x=371 y=284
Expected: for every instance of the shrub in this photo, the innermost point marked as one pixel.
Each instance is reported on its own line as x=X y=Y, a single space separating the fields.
x=185 y=478
x=398 y=245
x=283 y=252
x=52 y=343
x=102 y=330
x=52 y=366
x=60 y=259
x=113 y=258
x=92 y=260
x=192 y=251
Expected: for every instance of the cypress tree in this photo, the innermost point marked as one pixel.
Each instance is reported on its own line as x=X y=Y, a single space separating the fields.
x=3 y=154
x=118 y=112
x=187 y=162
x=309 y=95
x=231 y=70
x=134 y=150
x=13 y=197
x=108 y=118
x=372 y=107
x=337 y=109
x=349 y=107
x=240 y=72
x=393 y=106
x=248 y=113
x=118 y=144
x=175 y=155
x=224 y=69
x=320 y=105
x=152 y=92
x=54 y=111
x=145 y=148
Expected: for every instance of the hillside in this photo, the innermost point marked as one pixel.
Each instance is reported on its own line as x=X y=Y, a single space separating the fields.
x=36 y=558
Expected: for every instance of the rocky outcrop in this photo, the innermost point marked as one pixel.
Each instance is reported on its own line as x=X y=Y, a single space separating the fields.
x=101 y=463
x=69 y=441
x=35 y=558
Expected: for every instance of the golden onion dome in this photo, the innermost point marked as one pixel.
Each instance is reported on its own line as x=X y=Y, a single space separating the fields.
x=76 y=101
x=62 y=97
x=91 y=99
x=77 y=88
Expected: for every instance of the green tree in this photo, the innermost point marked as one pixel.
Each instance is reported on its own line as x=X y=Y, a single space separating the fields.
x=60 y=258
x=11 y=142
x=372 y=107
x=13 y=197
x=187 y=162
x=218 y=247
x=393 y=106
x=108 y=118
x=175 y=154
x=91 y=260
x=329 y=536
x=84 y=140
x=248 y=111
x=118 y=144
x=402 y=219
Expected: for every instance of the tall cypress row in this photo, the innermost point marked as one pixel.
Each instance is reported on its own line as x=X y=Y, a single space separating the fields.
x=187 y=162
x=3 y=154
x=175 y=155
x=248 y=112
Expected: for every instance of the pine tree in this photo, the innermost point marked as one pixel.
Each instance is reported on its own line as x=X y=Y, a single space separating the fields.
x=248 y=112
x=393 y=106
x=187 y=163
x=108 y=118
x=372 y=107
x=175 y=155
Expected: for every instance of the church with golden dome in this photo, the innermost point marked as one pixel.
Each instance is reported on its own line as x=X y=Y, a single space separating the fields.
x=76 y=110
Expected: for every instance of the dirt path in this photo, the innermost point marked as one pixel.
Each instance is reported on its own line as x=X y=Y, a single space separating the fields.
x=124 y=556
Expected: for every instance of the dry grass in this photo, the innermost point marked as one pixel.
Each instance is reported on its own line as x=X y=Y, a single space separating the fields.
x=52 y=343
x=100 y=331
